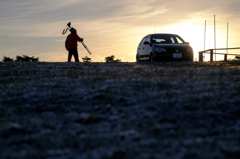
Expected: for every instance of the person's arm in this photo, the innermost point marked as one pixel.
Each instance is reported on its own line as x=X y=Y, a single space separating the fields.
x=79 y=39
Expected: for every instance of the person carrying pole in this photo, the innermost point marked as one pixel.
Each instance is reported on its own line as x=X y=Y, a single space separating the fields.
x=71 y=44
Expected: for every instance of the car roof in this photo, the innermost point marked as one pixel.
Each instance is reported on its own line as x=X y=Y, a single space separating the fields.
x=161 y=34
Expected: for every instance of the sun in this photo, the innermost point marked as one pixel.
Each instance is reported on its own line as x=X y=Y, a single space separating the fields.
x=194 y=34
x=198 y=40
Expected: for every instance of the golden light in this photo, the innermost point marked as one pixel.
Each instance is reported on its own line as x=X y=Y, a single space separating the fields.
x=106 y=39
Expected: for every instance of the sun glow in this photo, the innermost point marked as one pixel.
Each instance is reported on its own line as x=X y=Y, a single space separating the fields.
x=190 y=33
x=195 y=34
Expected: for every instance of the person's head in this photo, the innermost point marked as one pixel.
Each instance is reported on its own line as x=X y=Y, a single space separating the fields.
x=72 y=30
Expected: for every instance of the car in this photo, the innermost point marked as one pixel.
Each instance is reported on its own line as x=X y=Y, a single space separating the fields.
x=164 y=47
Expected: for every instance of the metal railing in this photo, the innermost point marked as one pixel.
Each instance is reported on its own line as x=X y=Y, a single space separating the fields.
x=210 y=51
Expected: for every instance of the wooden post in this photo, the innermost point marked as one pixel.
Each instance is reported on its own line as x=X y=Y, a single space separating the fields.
x=205 y=38
x=215 y=37
x=227 y=39
x=225 y=57
x=200 y=56
x=205 y=35
x=211 y=55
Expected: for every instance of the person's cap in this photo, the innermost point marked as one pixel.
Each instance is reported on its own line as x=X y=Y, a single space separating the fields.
x=72 y=30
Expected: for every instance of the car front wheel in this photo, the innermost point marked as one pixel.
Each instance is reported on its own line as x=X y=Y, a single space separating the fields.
x=138 y=59
x=151 y=58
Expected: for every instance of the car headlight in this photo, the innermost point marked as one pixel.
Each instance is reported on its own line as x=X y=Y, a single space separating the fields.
x=160 y=49
x=189 y=50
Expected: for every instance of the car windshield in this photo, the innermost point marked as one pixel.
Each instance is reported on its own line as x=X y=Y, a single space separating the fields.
x=169 y=39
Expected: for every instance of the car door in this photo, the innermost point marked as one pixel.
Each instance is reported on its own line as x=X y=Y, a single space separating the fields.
x=141 y=48
x=147 y=48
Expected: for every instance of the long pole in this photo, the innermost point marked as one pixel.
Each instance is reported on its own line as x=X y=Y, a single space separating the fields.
x=227 y=37
x=215 y=35
x=205 y=36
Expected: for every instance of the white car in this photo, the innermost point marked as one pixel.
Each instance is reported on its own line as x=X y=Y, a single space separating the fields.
x=164 y=47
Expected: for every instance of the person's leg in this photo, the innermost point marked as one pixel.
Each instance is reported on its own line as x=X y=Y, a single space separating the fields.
x=70 y=53
x=76 y=55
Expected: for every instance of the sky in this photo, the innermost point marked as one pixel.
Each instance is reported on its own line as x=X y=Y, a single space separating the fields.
x=34 y=28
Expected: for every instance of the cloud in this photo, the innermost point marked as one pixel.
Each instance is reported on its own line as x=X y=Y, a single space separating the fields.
x=133 y=53
x=122 y=58
x=48 y=17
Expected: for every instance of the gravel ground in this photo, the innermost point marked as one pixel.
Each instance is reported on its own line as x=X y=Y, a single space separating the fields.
x=173 y=110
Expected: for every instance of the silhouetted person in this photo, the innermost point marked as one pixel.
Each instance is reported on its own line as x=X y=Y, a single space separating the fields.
x=71 y=44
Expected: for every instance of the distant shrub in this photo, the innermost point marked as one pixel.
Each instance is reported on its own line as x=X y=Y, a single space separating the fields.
x=237 y=57
x=26 y=58
x=7 y=59
x=21 y=58
x=111 y=59
x=86 y=59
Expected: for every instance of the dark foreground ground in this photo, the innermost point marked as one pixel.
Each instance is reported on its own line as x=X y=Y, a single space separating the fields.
x=120 y=111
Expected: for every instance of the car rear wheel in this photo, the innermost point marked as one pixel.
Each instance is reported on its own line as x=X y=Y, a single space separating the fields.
x=190 y=59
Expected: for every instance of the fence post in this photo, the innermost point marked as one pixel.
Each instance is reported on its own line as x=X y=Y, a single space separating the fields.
x=211 y=55
x=225 y=57
x=200 y=56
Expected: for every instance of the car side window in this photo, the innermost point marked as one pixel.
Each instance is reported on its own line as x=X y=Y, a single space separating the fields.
x=172 y=39
x=148 y=39
x=143 y=40
x=179 y=40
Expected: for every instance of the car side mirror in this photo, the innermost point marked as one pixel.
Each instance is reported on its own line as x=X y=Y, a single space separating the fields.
x=146 y=43
x=187 y=43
